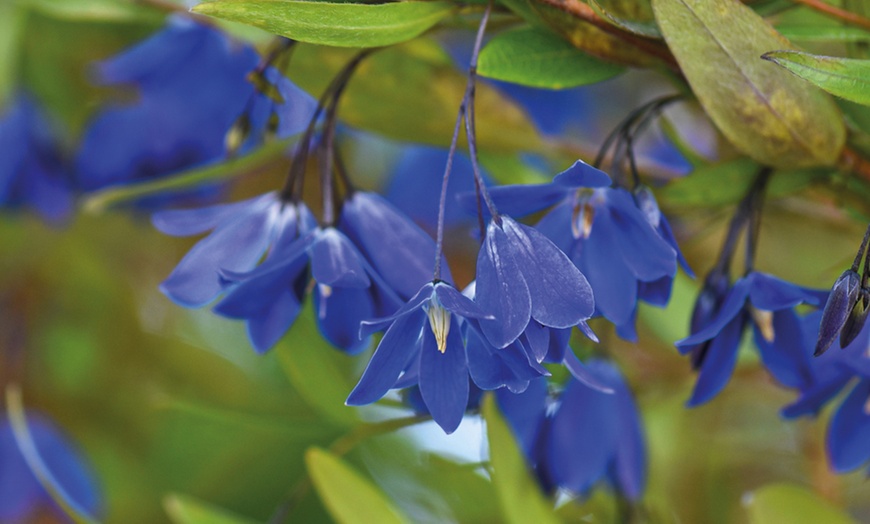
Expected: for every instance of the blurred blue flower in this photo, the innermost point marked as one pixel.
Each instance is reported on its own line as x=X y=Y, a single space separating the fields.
x=521 y=276
x=22 y=497
x=241 y=233
x=32 y=173
x=848 y=436
x=584 y=436
x=191 y=85
x=767 y=302
x=434 y=358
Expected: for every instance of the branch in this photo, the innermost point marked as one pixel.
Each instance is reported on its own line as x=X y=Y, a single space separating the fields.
x=836 y=12
x=852 y=161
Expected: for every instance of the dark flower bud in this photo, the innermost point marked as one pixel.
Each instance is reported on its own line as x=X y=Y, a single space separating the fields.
x=840 y=303
x=857 y=318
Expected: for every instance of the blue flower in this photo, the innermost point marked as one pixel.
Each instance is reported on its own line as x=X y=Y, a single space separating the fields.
x=523 y=276
x=32 y=173
x=241 y=233
x=583 y=437
x=848 y=436
x=21 y=494
x=191 y=85
x=433 y=358
x=766 y=301
x=626 y=253
x=281 y=104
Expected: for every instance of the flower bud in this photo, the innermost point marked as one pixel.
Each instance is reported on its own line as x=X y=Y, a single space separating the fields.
x=837 y=310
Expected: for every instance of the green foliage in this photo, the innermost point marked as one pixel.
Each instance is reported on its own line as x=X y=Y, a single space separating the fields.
x=635 y=16
x=538 y=58
x=774 y=118
x=350 y=498
x=334 y=24
x=188 y=510
x=790 y=504
x=519 y=495
x=848 y=78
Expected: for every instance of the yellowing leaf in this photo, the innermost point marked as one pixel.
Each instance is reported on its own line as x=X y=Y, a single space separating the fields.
x=771 y=116
x=847 y=78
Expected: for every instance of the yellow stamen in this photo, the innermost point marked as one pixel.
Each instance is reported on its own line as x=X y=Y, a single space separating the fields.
x=439 y=321
x=764 y=320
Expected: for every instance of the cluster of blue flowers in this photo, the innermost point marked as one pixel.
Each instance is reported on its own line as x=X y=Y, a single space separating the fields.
x=602 y=247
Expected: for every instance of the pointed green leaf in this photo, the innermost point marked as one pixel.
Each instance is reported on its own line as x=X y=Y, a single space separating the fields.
x=634 y=16
x=766 y=113
x=188 y=510
x=847 y=78
x=333 y=24
x=349 y=497
x=823 y=33
x=538 y=58
x=519 y=495
x=789 y=504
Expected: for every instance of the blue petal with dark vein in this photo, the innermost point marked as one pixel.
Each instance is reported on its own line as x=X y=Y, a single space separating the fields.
x=718 y=364
x=560 y=294
x=501 y=289
x=848 y=441
x=401 y=343
x=444 y=378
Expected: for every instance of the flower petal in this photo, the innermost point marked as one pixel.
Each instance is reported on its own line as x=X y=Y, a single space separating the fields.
x=719 y=362
x=772 y=294
x=848 y=440
x=582 y=373
x=613 y=284
x=400 y=345
x=560 y=294
x=457 y=303
x=631 y=459
x=235 y=246
x=525 y=413
x=581 y=174
x=492 y=368
x=186 y=222
x=814 y=399
x=367 y=327
x=339 y=316
x=444 y=378
x=646 y=253
x=267 y=328
x=335 y=261
x=733 y=305
x=787 y=356
x=501 y=289
x=538 y=339
x=518 y=200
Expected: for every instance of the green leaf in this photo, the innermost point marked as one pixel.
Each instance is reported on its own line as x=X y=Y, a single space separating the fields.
x=519 y=495
x=823 y=33
x=411 y=93
x=183 y=509
x=634 y=16
x=790 y=504
x=94 y=10
x=726 y=182
x=847 y=78
x=320 y=373
x=349 y=497
x=333 y=24
x=769 y=115
x=538 y=58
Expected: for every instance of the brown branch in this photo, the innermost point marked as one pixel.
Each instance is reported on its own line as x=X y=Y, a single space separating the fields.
x=853 y=162
x=581 y=11
x=836 y=12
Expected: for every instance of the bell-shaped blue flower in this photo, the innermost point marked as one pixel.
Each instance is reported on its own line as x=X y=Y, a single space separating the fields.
x=423 y=341
x=22 y=497
x=32 y=173
x=767 y=303
x=241 y=233
x=583 y=437
x=523 y=276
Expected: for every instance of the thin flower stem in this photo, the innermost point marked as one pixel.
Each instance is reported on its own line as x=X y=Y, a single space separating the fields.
x=836 y=12
x=741 y=216
x=463 y=113
x=340 y=447
x=297 y=166
x=861 y=249
x=756 y=205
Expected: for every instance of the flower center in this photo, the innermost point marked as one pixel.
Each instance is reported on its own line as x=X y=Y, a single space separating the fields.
x=439 y=321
